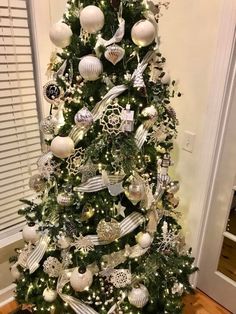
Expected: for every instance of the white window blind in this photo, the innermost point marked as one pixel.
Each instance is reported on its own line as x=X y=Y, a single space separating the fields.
x=19 y=134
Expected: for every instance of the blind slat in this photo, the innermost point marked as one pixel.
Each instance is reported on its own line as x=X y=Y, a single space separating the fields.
x=18 y=41
x=24 y=176
x=13 y=59
x=15 y=84
x=21 y=150
x=4 y=12
x=13 y=4
x=16 y=76
x=9 y=224
x=19 y=32
x=19 y=130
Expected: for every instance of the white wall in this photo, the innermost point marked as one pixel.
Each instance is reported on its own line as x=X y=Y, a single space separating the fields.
x=189 y=31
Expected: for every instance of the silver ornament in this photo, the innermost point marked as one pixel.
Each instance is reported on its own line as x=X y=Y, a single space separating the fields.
x=114 y=54
x=173 y=187
x=37 y=183
x=52 y=267
x=108 y=229
x=83 y=118
x=48 y=125
x=52 y=92
x=121 y=278
x=138 y=296
x=65 y=199
x=135 y=192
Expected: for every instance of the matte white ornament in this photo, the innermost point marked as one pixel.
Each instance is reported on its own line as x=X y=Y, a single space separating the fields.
x=90 y=68
x=60 y=34
x=114 y=54
x=143 y=33
x=81 y=279
x=15 y=272
x=149 y=112
x=166 y=78
x=91 y=19
x=63 y=242
x=30 y=233
x=49 y=295
x=62 y=147
x=138 y=296
x=144 y=239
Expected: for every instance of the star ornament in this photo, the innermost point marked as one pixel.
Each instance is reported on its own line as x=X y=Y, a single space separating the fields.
x=120 y=210
x=83 y=244
x=88 y=170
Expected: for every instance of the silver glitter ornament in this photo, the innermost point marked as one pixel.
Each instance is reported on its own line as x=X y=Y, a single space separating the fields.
x=83 y=118
x=52 y=267
x=138 y=296
x=65 y=199
x=37 y=183
x=47 y=125
x=108 y=229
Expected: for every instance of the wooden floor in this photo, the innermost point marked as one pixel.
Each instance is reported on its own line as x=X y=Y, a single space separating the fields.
x=194 y=304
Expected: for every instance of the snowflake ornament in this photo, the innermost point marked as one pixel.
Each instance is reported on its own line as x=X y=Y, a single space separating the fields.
x=170 y=239
x=121 y=278
x=66 y=259
x=83 y=244
x=111 y=120
x=52 y=267
x=46 y=165
x=75 y=161
x=158 y=135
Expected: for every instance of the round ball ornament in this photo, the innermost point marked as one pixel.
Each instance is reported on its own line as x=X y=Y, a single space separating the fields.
x=47 y=125
x=144 y=239
x=138 y=296
x=15 y=272
x=173 y=187
x=83 y=118
x=60 y=34
x=49 y=295
x=135 y=192
x=62 y=147
x=52 y=92
x=90 y=68
x=30 y=232
x=143 y=33
x=37 y=183
x=91 y=19
x=108 y=229
x=63 y=241
x=65 y=199
x=81 y=279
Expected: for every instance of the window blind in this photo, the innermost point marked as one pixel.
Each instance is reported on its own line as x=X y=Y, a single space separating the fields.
x=20 y=144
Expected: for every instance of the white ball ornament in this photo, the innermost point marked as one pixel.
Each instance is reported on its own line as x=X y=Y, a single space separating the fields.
x=143 y=33
x=81 y=279
x=30 y=232
x=144 y=239
x=62 y=147
x=90 y=68
x=60 y=34
x=15 y=272
x=49 y=295
x=91 y=19
x=138 y=296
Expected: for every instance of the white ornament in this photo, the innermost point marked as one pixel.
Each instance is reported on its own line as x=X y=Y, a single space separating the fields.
x=83 y=244
x=83 y=118
x=177 y=288
x=144 y=239
x=81 y=279
x=60 y=34
x=127 y=117
x=149 y=112
x=91 y=19
x=63 y=242
x=62 y=147
x=49 y=295
x=90 y=68
x=30 y=233
x=65 y=199
x=138 y=296
x=15 y=272
x=143 y=33
x=114 y=54
x=121 y=278
x=46 y=165
x=166 y=78
x=52 y=267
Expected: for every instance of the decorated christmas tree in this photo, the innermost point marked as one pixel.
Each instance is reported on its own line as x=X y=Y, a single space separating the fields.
x=102 y=235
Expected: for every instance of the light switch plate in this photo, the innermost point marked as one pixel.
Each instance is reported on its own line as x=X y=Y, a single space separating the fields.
x=188 y=141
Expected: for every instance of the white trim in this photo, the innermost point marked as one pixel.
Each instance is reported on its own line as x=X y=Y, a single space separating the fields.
x=11 y=239
x=215 y=117
x=7 y=295
x=230 y=236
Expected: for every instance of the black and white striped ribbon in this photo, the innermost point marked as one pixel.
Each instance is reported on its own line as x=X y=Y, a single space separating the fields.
x=38 y=253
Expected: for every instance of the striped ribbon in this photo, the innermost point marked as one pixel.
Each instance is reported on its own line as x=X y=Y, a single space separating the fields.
x=98 y=183
x=38 y=253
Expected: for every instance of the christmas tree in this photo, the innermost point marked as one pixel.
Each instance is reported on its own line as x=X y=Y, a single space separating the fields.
x=102 y=235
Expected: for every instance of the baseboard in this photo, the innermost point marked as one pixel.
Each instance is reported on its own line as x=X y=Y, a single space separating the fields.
x=7 y=295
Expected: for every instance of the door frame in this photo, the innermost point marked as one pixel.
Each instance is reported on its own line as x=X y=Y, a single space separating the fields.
x=217 y=110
